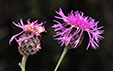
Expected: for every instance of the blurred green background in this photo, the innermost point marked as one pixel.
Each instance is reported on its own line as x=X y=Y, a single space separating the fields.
x=78 y=59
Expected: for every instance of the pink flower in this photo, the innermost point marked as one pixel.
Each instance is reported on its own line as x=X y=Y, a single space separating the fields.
x=33 y=27
x=81 y=23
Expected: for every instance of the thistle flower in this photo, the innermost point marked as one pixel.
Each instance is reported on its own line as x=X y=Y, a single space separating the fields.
x=29 y=41
x=79 y=23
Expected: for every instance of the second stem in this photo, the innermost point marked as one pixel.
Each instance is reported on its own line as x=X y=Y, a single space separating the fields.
x=61 y=58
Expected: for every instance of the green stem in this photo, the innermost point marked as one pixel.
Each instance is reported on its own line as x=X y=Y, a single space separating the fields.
x=61 y=58
x=23 y=63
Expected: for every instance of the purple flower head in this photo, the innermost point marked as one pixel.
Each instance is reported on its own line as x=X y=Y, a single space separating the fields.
x=34 y=28
x=81 y=23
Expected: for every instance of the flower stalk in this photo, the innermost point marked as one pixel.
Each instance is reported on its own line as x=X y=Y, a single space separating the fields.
x=61 y=58
x=23 y=63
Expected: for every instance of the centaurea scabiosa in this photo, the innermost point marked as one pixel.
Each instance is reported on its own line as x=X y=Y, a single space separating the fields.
x=70 y=32
x=29 y=41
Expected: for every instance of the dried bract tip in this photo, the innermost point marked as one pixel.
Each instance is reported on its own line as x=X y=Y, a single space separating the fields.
x=29 y=46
